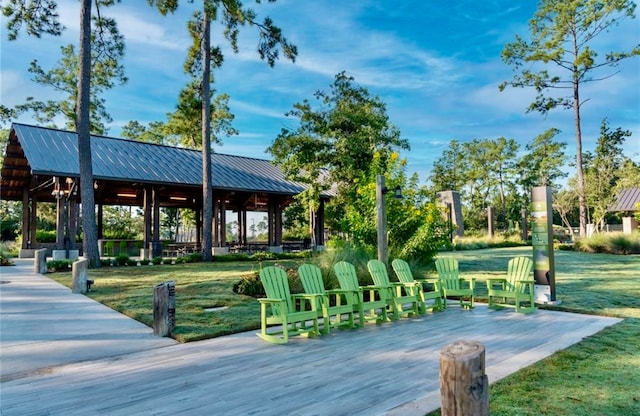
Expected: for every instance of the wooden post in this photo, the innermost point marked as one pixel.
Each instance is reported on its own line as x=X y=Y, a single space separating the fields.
x=164 y=308
x=464 y=386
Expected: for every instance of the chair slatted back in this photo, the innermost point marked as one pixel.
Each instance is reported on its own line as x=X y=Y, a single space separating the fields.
x=403 y=271
x=519 y=268
x=276 y=286
x=378 y=272
x=347 y=275
x=311 y=278
x=448 y=273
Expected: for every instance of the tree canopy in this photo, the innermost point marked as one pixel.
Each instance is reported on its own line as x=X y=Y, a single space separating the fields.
x=560 y=55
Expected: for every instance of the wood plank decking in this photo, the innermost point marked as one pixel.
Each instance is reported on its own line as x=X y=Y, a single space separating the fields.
x=390 y=368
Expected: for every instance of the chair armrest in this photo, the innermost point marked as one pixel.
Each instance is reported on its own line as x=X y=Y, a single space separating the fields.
x=492 y=281
x=470 y=280
x=372 y=287
x=430 y=280
x=342 y=291
x=270 y=300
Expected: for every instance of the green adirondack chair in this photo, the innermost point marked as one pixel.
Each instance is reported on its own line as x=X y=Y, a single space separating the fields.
x=514 y=290
x=335 y=303
x=375 y=305
x=402 y=298
x=404 y=274
x=291 y=313
x=451 y=284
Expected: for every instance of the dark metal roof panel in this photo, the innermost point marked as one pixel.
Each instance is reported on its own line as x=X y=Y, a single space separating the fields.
x=627 y=200
x=234 y=172
x=51 y=151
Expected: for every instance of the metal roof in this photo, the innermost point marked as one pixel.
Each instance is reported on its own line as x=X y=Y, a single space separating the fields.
x=51 y=152
x=627 y=200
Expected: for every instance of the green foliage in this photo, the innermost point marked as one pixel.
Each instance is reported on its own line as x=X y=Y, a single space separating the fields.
x=10 y=216
x=59 y=265
x=264 y=255
x=46 y=236
x=123 y=248
x=603 y=170
x=340 y=250
x=157 y=260
x=250 y=286
x=483 y=242
x=485 y=172
x=612 y=243
x=37 y=17
x=189 y=258
x=560 y=54
x=107 y=50
x=122 y=259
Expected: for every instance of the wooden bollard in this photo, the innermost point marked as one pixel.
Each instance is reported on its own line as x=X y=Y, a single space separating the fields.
x=164 y=308
x=464 y=386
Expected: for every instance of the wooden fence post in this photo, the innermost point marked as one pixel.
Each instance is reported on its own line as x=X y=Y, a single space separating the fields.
x=464 y=386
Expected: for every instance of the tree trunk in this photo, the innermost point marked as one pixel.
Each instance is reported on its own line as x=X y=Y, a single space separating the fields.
x=582 y=202
x=83 y=129
x=207 y=194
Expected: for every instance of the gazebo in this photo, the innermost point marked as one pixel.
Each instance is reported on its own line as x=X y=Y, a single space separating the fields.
x=627 y=202
x=41 y=165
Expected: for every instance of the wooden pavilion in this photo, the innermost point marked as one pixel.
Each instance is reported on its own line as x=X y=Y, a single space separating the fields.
x=41 y=165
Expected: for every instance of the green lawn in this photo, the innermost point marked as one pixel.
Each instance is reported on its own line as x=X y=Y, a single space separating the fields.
x=598 y=376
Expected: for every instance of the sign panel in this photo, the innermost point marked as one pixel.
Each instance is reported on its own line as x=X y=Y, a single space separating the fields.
x=542 y=242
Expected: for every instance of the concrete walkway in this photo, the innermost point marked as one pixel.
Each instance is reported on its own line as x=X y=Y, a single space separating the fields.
x=43 y=325
x=65 y=354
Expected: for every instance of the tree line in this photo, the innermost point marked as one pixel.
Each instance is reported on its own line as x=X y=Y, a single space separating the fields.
x=345 y=138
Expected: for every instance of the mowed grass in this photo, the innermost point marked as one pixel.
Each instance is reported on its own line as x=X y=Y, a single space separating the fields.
x=598 y=376
x=199 y=286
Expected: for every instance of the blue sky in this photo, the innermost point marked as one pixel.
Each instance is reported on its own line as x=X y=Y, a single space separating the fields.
x=436 y=67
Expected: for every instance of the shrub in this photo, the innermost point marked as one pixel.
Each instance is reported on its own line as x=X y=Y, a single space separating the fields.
x=122 y=249
x=4 y=260
x=46 y=236
x=250 y=286
x=122 y=260
x=264 y=255
x=613 y=243
x=232 y=257
x=58 y=265
x=157 y=260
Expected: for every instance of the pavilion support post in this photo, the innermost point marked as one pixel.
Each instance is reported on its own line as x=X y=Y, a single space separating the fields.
x=60 y=252
x=198 y=226
x=319 y=227
x=72 y=228
x=33 y=223
x=275 y=225
x=26 y=219
x=147 y=203
x=156 y=245
x=223 y=223
x=215 y=238
x=100 y=221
